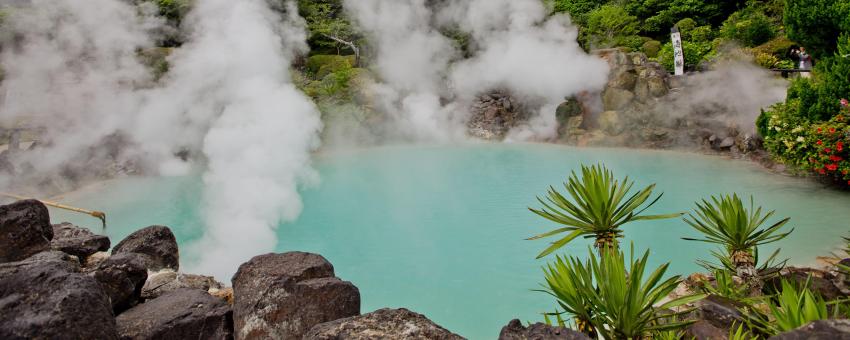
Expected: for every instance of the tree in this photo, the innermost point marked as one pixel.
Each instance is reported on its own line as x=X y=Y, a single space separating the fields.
x=817 y=24
x=608 y=25
x=329 y=27
x=578 y=9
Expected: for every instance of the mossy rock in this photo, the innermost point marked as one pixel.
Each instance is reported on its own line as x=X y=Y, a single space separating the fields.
x=651 y=48
x=329 y=62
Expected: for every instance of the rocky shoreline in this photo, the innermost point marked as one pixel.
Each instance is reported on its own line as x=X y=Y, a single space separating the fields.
x=58 y=281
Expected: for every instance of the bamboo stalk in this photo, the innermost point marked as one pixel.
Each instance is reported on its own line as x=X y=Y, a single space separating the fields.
x=96 y=214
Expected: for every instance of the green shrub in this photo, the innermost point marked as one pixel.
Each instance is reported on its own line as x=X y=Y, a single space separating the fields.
x=651 y=48
x=685 y=26
x=779 y=46
x=578 y=9
x=329 y=62
x=749 y=27
x=791 y=309
x=702 y=34
x=626 y=300
x=608 y=25
x=695 y=54
x=817 y=24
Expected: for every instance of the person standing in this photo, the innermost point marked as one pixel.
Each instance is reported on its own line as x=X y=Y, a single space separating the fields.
x=805 y=61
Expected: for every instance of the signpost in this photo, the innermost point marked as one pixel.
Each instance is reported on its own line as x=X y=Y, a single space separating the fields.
x=678 y=54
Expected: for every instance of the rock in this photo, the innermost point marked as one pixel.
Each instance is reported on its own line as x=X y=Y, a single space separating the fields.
x=95 y=259
x=719 y=311
x=180 y=314
x=819 y=330
x=25 y=230
x=726 y=143
x=282 y=296
x=703 y=330
x=122 y=277
x=820 y=282
x=168 y=280
x=614 y=99
x=225 y=294
x=157 y=243
x=77 y=241
x=567 y=109
x=624 y=80
x=381 y=324
x=493 y=114
x=609 y=121
x=539 y=331
x=44 y=297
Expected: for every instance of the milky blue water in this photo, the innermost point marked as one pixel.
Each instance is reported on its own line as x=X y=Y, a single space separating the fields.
x=440 y=230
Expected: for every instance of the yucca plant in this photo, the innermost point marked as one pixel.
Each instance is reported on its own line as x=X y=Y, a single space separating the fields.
x=598 y=207
x=741 y=334
x=622 y=305
x=727 y=222
x=791 y=309
x=725 y=286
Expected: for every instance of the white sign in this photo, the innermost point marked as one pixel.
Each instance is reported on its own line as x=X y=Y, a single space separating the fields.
x=678 y=54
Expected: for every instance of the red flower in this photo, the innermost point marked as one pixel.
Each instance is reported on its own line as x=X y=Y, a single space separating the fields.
x=827 y=150
x=835 y=158
x=839 y=146
x=819 y=142
x=822 y=171
x=832 y=167
x=819 y=131
x=831 y=130
x=844 y=102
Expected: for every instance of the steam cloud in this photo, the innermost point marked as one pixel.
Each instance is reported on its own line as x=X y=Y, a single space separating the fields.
x=227 y=96
x=515 y=46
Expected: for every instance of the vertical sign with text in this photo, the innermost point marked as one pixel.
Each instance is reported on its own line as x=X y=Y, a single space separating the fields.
x=678 y=54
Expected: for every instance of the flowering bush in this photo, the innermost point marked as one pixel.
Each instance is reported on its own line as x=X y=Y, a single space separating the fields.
x=822 y=147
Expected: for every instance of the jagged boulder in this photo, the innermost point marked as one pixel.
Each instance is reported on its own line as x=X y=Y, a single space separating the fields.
x=45 y=297
x=122 y=277
x=611 y=123
x=720 y=312
x=614 y=99
x=382 y=324
x=25 y=230
x=282 y=296
x=819 y=330
x=157 y=243
x=77 y=241
x=180 y=314
x=539 y=331
x=819 y=281
x=167 y=280
x=493 y=114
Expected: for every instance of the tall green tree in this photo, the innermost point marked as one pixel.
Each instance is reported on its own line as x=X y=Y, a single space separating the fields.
x=817 y=24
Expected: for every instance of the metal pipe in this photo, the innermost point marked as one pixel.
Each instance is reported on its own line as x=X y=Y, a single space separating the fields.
x=96 y=214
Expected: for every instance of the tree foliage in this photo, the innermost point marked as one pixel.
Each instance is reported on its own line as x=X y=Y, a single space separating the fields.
x=610 y=25
x=817 y=24
x=326 y=20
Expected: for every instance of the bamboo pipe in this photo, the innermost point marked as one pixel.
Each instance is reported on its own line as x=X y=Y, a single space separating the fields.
x=96 y=214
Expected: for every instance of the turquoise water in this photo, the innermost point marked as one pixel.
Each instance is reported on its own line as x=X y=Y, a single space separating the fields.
x=440 y=230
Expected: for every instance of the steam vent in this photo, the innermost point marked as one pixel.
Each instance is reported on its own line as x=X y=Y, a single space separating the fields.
x=424 y=169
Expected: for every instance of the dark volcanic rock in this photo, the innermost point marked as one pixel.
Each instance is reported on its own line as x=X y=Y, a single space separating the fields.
x=122 y=277
x=819 y=330
x=719 y=311
x=77 y=241
x=820 y=282
x=703 y=330
x=539 y=331
x=24 y=230
x=44 y=297
x=282 y=296
x=166 y=281
x=381 y=324
x=157 y=243
x=181 y=314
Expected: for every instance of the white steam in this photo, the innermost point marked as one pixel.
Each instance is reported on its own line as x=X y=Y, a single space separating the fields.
x=233 y=82
x=515 y=46
x=73 y=68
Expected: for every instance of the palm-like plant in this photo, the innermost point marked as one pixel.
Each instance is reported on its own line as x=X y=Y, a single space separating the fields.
x=622 y=305
x=727 y=222
x=599 y=207
x=791 y=309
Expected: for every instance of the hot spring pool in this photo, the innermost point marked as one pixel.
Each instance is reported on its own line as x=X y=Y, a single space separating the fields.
x=440 y=230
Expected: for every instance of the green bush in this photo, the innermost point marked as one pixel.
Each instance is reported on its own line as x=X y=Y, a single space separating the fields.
x=609 y=25
x=817 y=24
x=749 y=27
x=695 y=54
x=686 y=25
x=702 y=34
x=651 y=48
x=578 y=9
x=779 y=46
x=329 y=62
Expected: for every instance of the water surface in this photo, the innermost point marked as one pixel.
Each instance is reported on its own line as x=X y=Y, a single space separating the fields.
x=440 y=230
